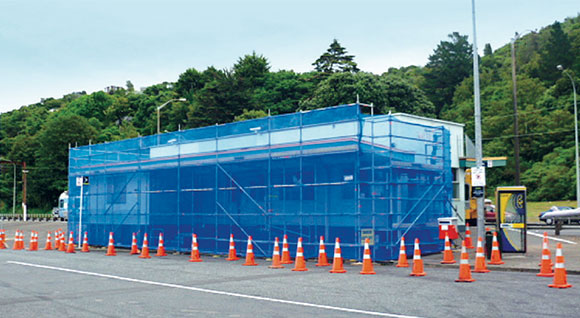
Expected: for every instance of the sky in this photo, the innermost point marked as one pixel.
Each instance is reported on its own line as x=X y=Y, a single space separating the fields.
x=52 y=48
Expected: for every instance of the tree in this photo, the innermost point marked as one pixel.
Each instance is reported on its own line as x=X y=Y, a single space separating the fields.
x=335 y=60
x=250 y=114
x=557 y=51
x=487 y=51
x=449 y=64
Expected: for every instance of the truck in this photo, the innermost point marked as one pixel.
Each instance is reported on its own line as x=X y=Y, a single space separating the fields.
x=62 y=210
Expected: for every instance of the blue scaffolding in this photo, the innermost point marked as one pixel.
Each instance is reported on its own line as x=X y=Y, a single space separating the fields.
x=332 y=172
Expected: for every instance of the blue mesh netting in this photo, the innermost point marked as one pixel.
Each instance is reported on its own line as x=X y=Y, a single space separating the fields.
x=329 y=172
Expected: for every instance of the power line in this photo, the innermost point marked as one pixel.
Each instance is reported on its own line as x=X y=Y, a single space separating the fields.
x=530 y=134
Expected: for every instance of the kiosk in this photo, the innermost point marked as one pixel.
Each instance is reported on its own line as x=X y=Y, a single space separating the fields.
x=511 y=218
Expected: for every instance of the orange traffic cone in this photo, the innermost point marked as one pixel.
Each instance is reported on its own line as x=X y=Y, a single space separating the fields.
x=402 y=255
x=367 y=267
x=300 y=265
x=417 y=261
x=134 y=248
x=286 y=259
x=480 y=258
x=161 y=246
x=17 y=245
x=250 y=259
x=468 y=242
x=85 y=248
x=546 y=248
x=337 y=267
x=464 y=268
x=495 y=256
x=62 y=245
x=276 y=262
x=111 y=247
x=560 y=270
x=2 y=239
x=195 y=257
x=232 y=256
x=546 y=269
x=322 y=258
x=48 y=245
x=57 y=240
x=145 y=248
x=71 y=244
x=33 y=246
x=448 y=253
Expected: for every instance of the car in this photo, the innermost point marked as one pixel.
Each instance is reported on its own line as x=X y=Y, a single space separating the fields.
x=489 y=211
x=549 y=219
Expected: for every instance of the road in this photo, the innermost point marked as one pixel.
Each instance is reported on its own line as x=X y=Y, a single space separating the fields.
x=55 y=284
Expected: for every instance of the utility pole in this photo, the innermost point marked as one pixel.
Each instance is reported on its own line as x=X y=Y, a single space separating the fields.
x=477 y=115
x=515 y=94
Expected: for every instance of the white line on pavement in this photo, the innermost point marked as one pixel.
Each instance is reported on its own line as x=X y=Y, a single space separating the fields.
x=210 y=291
x=552 y=238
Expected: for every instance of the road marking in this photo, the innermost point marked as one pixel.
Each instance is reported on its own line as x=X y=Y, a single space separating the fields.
x=552 y=238
x=210 y=291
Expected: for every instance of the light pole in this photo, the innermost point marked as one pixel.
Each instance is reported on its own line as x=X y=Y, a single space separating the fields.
x=559 y=67
x=165 y=104
x=515 y=95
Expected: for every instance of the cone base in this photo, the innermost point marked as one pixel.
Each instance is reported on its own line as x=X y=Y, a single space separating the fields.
x=337 y=271
x=545 y=274
x=286 y=262
x=300 y=269
x=112 y=254
x=418 y=274
x=144 y=256
x=134 y=253
x=465 y=280
x=46 y=249
x=161 y=255
x=402 y=265
x=560 y=286
x=276 y=266
x=232 y=258
x=85 y=251
x=249 y=264
x=368 y=273
x=496 y=263
x=194 y=260
x=480 y=271
x=448 y=262
x=470 y=247
x=321 y=265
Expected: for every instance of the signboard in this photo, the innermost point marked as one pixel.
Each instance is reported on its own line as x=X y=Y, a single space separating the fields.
x=478 y=177
x=79 y=181
x=367 y=234
x=478 y=192
x=511 y=218
x=86 y=180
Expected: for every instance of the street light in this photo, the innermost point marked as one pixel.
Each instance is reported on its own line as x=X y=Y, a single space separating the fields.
x=561 y=68
x=165 y=104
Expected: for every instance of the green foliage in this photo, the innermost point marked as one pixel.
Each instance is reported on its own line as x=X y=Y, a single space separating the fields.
x=557 y=51
x=335 y=60
x=250 y=114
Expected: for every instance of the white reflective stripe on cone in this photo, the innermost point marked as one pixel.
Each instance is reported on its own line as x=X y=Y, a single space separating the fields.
x=337 y=255
x=464 y=261
x=559 y=265
x=299 y=254
x=545 y=257
x=416 y=256
x=366 y=256
x=558 y=252
x=479 y=255
x=402 y=251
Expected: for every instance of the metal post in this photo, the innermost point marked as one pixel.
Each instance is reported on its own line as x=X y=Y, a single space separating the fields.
x=559 y=67
x=24 y=207
x=515 y=95
x=14 y=193
x=477 y=115
x=81 y=213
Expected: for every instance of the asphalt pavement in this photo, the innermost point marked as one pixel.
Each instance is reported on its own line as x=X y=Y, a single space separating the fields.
x=56 y=284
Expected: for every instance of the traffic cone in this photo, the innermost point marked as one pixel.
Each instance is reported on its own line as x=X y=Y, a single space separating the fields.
x=250 y=259
x=367 y=267
x=464 y=268
x=337 y=267
x=480 y=258
x=48 y=246
x=2 y=239
x=71 y=244
x=61 y=245
x=145 y=248
x=448 y=253
x=276 y=262
x=300 y=264
x=468 y=242
x=17 y=245
x=57 y=240
x=546 y=248
x=322 y=258
x=417 y=261
x=194 y=250
x=546 y=269
x=560 y=270
x=232 y=256
x=134 y=248
x=111 y=247
x=161 y=246
x=286 y=259
x=33 y=246
x=85 y=247
x=495 y=256
x=402 y=255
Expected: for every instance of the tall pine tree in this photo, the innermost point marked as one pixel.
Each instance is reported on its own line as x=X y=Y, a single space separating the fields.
x=335 y=60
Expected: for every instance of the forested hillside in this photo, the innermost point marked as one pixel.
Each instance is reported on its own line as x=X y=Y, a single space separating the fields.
x=40 y=134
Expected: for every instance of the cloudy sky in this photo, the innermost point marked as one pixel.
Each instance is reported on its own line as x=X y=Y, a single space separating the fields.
x=51 y=48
